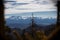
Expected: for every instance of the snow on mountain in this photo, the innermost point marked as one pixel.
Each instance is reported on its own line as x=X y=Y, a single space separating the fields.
x=19 y=22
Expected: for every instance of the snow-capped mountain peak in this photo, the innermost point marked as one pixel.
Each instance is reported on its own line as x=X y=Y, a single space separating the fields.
x=15 y=17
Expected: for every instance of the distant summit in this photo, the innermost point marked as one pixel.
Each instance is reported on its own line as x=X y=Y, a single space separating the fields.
x=15 y=17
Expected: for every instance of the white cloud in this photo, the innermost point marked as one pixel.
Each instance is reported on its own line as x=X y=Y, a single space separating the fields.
x=10 y=0
x=32 y=7
x=35 y=1
x=24 y=1
x=13 y=11
x=9 y=4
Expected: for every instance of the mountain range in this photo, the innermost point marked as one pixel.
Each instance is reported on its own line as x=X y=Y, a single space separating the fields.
x=19 y=22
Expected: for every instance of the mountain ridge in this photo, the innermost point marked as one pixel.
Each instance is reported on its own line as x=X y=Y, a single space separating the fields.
x=24 y=23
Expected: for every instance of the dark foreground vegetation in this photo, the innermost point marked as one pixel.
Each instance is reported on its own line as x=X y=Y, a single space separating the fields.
x=52 y=33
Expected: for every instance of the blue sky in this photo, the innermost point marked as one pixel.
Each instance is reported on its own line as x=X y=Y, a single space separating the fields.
x=26 y=6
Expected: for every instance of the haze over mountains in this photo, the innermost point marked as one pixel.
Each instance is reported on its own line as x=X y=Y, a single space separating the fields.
x=19 y=22
x=42 y=14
